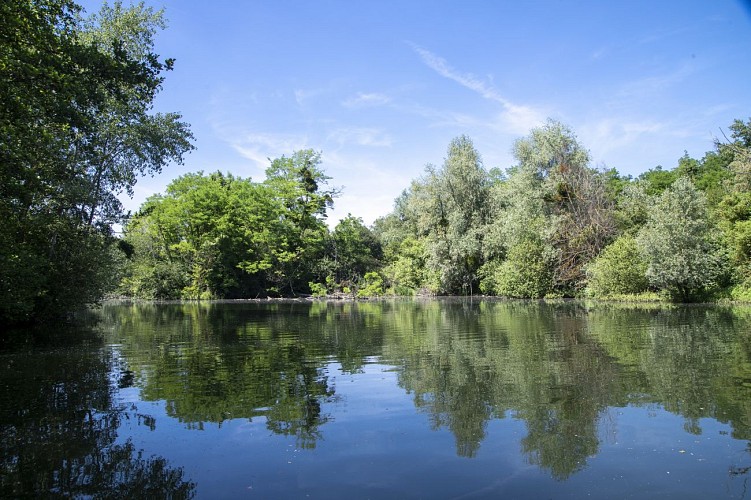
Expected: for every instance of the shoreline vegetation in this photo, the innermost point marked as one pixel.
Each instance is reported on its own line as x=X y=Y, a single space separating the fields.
x=549 y=226
x=625 y=300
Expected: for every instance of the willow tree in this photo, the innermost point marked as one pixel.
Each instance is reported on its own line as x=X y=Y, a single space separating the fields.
x=451 y=210
x=554 y=201
x=681 y=244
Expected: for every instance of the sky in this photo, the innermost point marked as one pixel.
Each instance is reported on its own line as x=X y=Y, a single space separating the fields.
x=380 y=88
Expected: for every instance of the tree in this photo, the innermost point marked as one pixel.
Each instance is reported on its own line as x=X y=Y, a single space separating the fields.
x=466 y=186
x=222 y=236
x=738 y=147
x=72 y=86
x=449 y=209
x=355 y=250
x=208 y=236
x=127 y=140
x=658 y=180
x=299 y=184
x=553 y=197
x=680 y=244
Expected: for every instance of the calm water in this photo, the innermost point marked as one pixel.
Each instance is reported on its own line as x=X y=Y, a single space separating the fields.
x=400 y=399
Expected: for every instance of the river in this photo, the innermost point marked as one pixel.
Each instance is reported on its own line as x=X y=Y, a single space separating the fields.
x=439 y=398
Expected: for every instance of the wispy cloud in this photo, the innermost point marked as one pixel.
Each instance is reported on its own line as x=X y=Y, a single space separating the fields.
x=259 y=147
x=517 y=118
x=599 y=53
x=633 y=144
x=647 y=86
x=302 y=95
x=360 y=136
x=366 y=100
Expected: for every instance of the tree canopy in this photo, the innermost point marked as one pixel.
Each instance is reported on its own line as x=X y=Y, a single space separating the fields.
x=76 y=129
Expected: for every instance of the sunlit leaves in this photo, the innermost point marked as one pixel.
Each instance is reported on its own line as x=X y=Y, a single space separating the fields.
x=680 y=244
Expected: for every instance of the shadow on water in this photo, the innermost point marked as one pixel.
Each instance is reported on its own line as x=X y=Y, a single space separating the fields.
x=59 y=421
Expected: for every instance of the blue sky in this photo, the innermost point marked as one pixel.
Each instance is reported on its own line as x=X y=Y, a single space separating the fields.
x=381 y=87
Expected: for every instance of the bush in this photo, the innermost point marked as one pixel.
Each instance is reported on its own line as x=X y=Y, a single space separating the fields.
x=741 y=292
x=527 y=273
x=488 y=273
x=372 y=285
x=679 y=243
x=619 y=270
x=317 y=289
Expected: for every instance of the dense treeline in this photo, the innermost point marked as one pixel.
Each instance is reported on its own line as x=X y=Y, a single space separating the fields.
x=220 y=236
x=76 y=129
x=551 y=226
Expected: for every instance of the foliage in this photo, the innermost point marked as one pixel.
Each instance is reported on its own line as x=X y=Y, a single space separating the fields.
x=631 y=208
x=193 y=242
x=222 y=236
x=567 y=213
x=549 y=226
x=657 y=180
x=354 y=250
x=449 y=209
x=680 y=244
x=554 y=197
x=407 y=272
x=76 y=129
x=527 y=273
x=298 y=184
x=619 y=270
x=738 y=150
x=371 y=286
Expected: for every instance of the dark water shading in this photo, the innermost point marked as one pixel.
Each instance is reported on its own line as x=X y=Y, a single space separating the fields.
x=393 y=399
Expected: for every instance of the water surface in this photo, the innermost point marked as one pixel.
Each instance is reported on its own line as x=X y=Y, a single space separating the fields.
x=392 y=399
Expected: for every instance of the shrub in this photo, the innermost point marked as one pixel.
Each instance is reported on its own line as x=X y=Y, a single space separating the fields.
x=372 y=285
x=680 y=244
x=527 y=272
x=619 y=270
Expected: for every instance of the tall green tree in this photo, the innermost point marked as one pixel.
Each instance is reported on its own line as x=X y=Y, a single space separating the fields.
x=128 y=139
x=734 y=209
x=354 y=250
x=449 y=208
x=72 y=86
x=681 y=244
x=552 y=197
x=299 y=183
x=208 y=236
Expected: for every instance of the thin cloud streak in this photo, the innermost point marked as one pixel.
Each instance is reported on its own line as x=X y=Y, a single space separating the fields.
x=366 y=100
x=360 y=136
x=518 y=118
x=647 y=86
x=259 y=148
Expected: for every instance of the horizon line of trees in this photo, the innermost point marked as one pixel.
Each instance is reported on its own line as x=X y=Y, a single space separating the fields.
x=550 y=226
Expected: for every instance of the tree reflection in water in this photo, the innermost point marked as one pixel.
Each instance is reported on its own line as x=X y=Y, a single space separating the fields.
x=59 y=421
x=558 y=368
